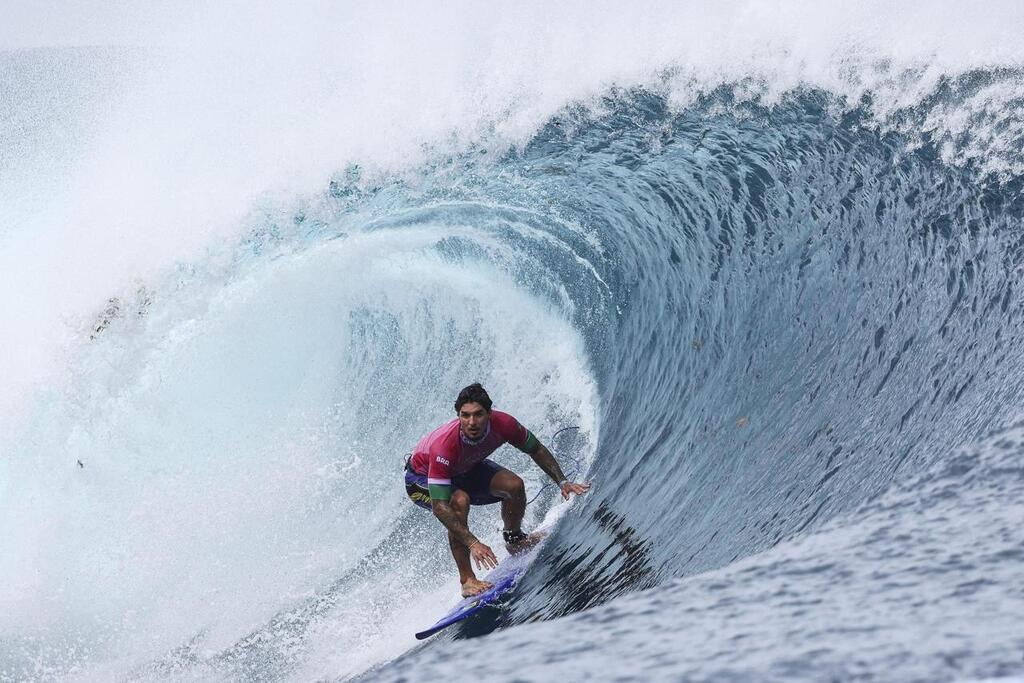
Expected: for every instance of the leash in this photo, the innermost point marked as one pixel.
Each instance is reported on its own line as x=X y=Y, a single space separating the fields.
x=569 y=475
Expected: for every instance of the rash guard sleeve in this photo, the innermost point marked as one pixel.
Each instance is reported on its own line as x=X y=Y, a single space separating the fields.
x=530 y=444
x=439 y=477
x=515 y=433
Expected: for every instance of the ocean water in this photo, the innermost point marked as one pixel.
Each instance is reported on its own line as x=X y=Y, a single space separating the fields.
x=754 y=271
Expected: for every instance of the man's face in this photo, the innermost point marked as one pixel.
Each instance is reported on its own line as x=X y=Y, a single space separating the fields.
x=473 y=420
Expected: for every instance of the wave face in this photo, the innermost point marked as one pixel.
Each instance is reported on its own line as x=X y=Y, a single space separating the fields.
x=784 y=330
x=808 y=312
x=807 y=320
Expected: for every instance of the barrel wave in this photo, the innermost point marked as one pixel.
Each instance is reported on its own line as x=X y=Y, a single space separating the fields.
x=782 y=337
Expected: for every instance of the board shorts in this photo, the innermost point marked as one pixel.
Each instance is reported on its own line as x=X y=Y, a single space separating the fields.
x=476 y=482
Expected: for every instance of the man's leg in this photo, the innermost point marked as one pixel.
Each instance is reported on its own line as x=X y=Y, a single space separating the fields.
x=470 y=584
x=510 y=488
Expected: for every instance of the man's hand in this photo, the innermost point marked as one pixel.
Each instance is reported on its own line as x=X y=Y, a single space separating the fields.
x=483 y=555
x=572 y=487
x=542 y=456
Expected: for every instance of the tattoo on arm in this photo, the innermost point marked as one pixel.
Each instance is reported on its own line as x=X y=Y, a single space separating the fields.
x=542 y=456
x=447 y=516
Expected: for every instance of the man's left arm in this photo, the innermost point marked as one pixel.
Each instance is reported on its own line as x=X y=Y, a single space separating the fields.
x=542 y=456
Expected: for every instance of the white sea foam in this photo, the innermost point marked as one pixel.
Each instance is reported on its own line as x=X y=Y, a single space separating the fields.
x=241 y=447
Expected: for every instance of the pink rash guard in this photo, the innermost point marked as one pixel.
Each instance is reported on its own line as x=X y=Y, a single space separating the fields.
x=446 y=452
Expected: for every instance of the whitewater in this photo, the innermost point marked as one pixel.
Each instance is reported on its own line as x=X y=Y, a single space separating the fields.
x=753 y=269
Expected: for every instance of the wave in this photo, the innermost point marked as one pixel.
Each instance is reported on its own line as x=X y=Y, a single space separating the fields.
x=763 y=310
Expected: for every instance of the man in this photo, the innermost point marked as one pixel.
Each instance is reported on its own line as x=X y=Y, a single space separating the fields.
x=449 y=471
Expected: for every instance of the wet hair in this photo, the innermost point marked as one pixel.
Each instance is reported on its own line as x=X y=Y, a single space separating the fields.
x=474 y=393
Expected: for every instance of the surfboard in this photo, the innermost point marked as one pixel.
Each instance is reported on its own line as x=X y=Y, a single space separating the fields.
x=504 y=577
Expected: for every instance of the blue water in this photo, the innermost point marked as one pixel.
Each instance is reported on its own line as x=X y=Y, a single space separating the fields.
x=802 y=317
x=789 y=334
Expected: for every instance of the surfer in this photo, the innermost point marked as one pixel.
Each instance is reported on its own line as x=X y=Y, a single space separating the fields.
x=449 y=471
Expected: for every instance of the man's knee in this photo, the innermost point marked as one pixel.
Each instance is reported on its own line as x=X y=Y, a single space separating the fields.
x=460 y=501
x=509 y=485
x=518 y=486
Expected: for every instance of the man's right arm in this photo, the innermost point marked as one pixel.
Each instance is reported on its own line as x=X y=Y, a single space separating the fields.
x=447 y=516
x=439 y=484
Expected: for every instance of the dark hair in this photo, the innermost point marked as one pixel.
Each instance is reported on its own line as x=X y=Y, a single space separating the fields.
x=474 y=393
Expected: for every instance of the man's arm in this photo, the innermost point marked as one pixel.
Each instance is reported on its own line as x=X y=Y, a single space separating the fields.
x=542 y=456
x=479 y=551
x=447 y=516
x=439 y=485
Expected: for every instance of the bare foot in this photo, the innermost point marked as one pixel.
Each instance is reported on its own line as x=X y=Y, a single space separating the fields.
x=525 y=544
x=475 y=587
